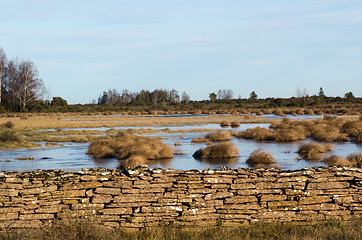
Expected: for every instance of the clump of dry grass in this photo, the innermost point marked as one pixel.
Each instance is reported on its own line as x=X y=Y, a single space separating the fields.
x=327 y=133
x=10 y=135
x=225 y=124
x=286 y=135
x=125 y=145
x=257 y=134
x=313 y=151
x=355 y=159
x=235 y=124
x=133 y=162
x=278 y=112
x=217 y=151
x=260 y=157
x=218 y=136
x=8 y=125
x=337 y=161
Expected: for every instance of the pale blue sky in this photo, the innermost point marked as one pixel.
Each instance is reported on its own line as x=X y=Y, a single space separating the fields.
x=271 y=46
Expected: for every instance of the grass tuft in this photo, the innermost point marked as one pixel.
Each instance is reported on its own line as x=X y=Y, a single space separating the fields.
x=313 y=151
x=217 y=151
x=260 y=157
x=128 y=147
x=355 y=159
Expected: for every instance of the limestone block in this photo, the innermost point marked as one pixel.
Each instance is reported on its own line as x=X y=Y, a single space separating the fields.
x=218 y=195
x=8 y=216
x=36 y=217
x=116 y=211
x=99 y=198
x=82 y=185
x=108 y=191
x=241 y=199
x=272 y=197
x=135 y=198
x=315 y=199
x=327 y=185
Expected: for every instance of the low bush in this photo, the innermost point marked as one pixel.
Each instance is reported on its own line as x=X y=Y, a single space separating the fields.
x=260 y=157
x=217 y=151
x=313 y=151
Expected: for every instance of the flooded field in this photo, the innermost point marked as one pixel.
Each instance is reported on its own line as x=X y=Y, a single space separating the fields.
x=72 y=156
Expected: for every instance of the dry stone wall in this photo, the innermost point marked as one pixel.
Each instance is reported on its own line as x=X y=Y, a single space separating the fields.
x=147 y=198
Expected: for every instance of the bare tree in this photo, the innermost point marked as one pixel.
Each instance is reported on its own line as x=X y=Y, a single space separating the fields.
x=185 y=98
x=23 y=82
x=3 y=62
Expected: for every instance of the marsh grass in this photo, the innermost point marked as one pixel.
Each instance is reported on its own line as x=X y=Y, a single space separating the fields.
x=260 y=157
x=313 y=151
x=217 y=151
x=125 y=146
x=214 y=137
x=337 y=161
x=83 y=229
x=257 y=134
x=355 y=159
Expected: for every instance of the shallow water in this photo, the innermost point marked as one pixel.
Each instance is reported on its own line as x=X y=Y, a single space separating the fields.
x=73 y=156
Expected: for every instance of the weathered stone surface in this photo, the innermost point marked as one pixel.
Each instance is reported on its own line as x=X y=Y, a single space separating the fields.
x=315 y=199
x=108 y=191
x=327 y=185
x=145 y=198
x=270 y=197
x=99 y=198
x=241 y=199
x=116 y=211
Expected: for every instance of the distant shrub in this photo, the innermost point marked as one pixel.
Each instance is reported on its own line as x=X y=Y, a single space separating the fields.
x=260 y=157
x=217 y=151
x=313 y=151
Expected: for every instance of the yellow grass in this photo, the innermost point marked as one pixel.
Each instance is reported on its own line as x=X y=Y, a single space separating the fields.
x=217 y=151
x=125 y=145
x=260 y=158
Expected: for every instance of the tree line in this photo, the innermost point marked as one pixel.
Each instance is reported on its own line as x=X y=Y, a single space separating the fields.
x=19 y=83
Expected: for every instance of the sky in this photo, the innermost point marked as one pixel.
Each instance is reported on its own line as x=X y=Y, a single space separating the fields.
x=82 y=48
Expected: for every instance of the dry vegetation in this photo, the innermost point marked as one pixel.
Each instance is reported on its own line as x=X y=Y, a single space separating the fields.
x=215 y=137
x=328 y=129
x=133 y=150
x=260 y=158
x=217 y=151
x=314 y=151
x=85 y=229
